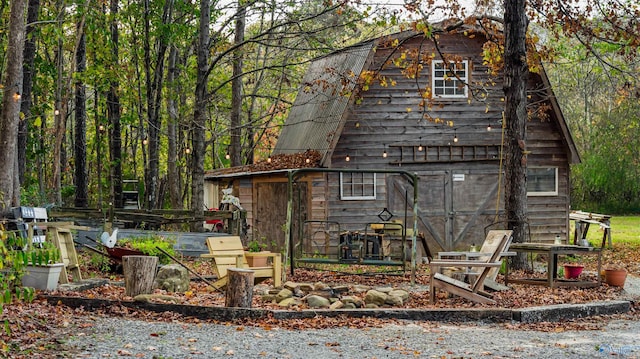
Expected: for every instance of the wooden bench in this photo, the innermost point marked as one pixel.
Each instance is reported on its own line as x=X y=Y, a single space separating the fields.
x=227 y=252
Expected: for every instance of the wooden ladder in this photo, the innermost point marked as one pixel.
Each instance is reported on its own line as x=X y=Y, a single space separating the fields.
x=63 y=239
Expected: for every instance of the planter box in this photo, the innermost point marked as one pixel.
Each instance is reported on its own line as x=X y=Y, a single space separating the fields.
x=42 y=277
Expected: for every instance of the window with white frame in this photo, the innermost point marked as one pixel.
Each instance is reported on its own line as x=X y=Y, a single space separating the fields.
x=449 y=80
x=357 y=186
x=542 y=181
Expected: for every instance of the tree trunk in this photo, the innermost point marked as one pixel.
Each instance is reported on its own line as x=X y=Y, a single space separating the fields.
x=27 y=86
x=200 y=116
x=516 y=75
x=173 y=173
x=154 y=99
x=9 y=117
x=80 y=145
x=113 y=113
x=240 y=288
x=236 y=90
x=139 y=274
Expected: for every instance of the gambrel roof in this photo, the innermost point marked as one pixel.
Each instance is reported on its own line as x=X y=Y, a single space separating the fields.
x=326 y=98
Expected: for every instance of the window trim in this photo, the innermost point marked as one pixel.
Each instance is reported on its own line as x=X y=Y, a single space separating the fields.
x=358 y=198
x=464 y=80
x=544 y=193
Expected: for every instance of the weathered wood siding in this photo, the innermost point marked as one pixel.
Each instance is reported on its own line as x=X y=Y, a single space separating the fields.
x=459 y=180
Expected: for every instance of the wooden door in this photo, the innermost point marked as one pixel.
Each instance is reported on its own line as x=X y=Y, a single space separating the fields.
x=271 y=211
x=453 y=207
x=473 y=207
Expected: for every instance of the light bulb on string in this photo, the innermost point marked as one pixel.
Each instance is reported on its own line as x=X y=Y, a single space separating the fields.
x=227 y=155
x=187 y=150
x=269 y=159
x=455 y=136
x=145 y=141
x=420 y=148
x=488 y=127
x=384 y=153
x=347 y=158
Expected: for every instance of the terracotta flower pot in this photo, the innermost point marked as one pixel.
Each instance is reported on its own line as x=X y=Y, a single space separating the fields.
x=572 y=271
x=615 y=277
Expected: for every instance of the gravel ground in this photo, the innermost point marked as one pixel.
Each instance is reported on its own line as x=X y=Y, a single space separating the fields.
x=116 y=337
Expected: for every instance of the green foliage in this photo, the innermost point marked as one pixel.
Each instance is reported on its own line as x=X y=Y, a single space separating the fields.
x=15 y=254
x=100 y=262
x=149 y=246
x=256 y=245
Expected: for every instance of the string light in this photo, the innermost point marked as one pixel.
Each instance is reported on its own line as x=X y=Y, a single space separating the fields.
x=187 y=150
x=384 y=153
x=307 y=160
x=16 y=96
x=455 y=136
x=489 y=127
x=269 y=159
x=101 y=128
x=227 y=155
x=56 y=112
x=347 y=158
x=146 y=141
x=420 y=148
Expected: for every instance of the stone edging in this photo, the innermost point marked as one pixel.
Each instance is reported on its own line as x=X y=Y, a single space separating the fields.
x=552 y=313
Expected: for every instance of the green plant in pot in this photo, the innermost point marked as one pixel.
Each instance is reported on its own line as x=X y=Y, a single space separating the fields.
x=42 y=264
x=253 y=247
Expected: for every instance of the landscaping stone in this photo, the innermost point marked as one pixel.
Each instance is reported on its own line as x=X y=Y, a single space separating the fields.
x=375 y=297
x=172 y=278
x=336 y=305
x=283 y=294
x=288 y=302
x=320 y=286
x=394 y=300
x=316 y=301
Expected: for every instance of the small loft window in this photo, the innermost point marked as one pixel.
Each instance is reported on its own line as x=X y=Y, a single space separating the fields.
x=357 y=186
x=451 y=81
x=542 y=181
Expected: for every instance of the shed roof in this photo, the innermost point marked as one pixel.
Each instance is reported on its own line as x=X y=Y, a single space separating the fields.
x=315 y=118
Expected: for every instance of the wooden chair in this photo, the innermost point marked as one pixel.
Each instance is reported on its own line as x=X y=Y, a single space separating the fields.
x=227 y=252
x=487 y=263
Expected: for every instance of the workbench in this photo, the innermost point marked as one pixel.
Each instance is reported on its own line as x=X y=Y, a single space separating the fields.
x=583 y=220
x=552 y=252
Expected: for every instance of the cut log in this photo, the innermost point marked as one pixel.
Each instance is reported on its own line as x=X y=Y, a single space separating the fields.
x=240 y=288
x=139 y=274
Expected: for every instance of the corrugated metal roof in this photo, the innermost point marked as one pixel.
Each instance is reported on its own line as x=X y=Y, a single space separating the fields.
x=321 y=103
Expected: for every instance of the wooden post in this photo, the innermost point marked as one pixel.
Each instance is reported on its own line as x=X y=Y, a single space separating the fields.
x=240 y=288
x=139 y=274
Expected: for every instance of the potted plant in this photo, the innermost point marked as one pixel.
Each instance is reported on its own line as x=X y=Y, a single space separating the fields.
x=42 y=264
x=572 y=270
x=253 y=247
x=615 y=276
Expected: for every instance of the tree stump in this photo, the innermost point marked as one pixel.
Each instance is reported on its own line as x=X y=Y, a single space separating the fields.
x=240 y=288
x=139 y=274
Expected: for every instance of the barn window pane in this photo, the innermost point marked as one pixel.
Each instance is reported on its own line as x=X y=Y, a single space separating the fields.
x=542 y=181
x=449 y=82
x=357 y=186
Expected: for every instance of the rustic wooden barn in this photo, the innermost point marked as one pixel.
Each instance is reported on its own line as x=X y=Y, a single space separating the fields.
x=373 y=106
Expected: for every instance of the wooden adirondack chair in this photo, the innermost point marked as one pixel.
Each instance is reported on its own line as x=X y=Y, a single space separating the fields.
x=487 y=264
x=227 y=252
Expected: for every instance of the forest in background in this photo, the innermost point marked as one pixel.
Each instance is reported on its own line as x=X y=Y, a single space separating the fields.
x=126 y=90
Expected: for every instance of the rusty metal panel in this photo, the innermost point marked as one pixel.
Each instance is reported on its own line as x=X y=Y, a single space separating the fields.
x=321 y=103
